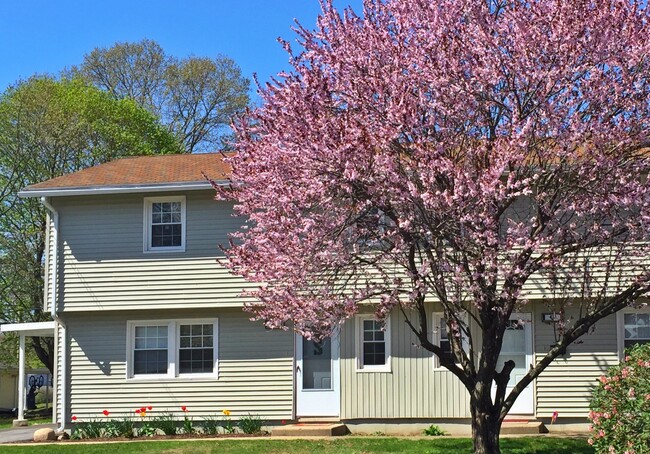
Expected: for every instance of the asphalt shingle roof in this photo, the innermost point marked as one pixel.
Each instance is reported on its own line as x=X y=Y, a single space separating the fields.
x=143 y=170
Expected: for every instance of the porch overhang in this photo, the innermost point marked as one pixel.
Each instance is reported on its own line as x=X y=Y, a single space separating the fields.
x=34 y=329
x=38 y=329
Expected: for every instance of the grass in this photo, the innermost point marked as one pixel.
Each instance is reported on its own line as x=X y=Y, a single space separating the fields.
x=523 y=445
x=40 y=415
x=6 y=422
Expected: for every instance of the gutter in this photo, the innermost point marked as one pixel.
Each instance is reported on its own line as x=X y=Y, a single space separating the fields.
x=54 y=270
x=99 y=190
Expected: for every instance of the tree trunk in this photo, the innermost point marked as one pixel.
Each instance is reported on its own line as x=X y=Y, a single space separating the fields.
x=486 y=424
x=44 y=348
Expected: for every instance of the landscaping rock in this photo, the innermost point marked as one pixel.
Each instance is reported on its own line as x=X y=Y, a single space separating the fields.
x=44 y=435
x=63 y=436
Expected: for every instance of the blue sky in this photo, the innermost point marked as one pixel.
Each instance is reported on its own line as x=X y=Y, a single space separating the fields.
x=45 y=36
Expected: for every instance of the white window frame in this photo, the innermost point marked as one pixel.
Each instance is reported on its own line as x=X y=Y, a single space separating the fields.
x=359 y=345
x=436 y=319
x=173 y=345
x=148 y=206
x=620 y=327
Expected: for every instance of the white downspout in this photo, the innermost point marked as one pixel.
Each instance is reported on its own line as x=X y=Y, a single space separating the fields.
x=54 y=271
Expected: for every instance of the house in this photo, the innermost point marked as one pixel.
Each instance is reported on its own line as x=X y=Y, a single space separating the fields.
x=143 y=314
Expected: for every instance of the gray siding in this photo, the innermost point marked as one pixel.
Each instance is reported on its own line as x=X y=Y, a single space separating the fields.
x=566 y=384
x=412 y=389
x=104 y=266
x=255 y=370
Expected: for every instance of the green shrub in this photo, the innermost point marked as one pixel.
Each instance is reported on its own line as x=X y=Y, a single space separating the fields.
x=620 y=406
x=120 y=428
x=166 y=424
x=88 y=429
x=211 y=426
x=251 y=424
x=434 y=431
x=188 y=425
x=227 y=423
x=147 y=430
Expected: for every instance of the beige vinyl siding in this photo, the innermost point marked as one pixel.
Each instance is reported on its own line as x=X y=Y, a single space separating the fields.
x=8 y=389
x=566 y=384
x=255 y=369
x=412 y=389
x=105 y=267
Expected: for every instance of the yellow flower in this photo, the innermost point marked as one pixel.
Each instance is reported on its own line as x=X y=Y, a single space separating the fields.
x=226 y=412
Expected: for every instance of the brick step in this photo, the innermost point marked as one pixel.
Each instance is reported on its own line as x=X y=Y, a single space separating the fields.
x=523 y=427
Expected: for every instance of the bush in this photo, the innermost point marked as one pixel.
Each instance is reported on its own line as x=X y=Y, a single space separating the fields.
x=166 y=424
x=434 y=431
x=120 y=428
x=620 y=406
x=251 y=424
x=88 y=429
x=211 y=426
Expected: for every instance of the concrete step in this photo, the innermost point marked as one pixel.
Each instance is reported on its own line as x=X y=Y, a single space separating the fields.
x=523 y=427
x=310 y=430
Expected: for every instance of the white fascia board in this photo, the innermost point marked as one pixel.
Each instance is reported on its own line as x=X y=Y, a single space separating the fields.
x=99 y=190
x=45 y=329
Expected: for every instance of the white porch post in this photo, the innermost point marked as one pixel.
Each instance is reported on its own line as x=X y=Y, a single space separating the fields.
x=21 y=381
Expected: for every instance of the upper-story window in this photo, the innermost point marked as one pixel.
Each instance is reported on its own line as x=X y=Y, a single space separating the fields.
x=164 y=224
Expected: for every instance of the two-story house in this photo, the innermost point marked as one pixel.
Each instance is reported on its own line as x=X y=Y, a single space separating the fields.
x=144 y=314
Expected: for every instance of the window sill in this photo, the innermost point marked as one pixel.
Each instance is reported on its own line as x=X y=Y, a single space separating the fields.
x=180 y=378
x=164 y=250
x=383 y=369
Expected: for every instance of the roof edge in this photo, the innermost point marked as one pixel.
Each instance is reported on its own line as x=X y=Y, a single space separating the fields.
x=132 y=188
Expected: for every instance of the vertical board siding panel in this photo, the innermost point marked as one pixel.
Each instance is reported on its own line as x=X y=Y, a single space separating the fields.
x=255 y=370
x=567 y=383
x=411 y=390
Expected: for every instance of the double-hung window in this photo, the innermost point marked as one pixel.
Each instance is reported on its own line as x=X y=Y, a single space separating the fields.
x=172 y=348
x=440 y=336
x=164 y=224
x=373 y=344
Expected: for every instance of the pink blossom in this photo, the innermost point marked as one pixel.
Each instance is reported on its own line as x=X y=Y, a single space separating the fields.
x=438 y=152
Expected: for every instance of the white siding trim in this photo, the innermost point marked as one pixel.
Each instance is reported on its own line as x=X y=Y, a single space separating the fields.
x=359 y=345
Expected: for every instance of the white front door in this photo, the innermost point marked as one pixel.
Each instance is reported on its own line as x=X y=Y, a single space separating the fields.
x=518 y=347
x=317 y=377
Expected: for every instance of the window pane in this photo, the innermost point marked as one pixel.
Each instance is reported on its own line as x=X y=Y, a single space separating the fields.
x=196 y=354
x=166 y=224
x=374 y=344
x=150 y=350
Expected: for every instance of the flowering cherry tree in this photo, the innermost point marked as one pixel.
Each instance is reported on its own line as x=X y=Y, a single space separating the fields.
x=452 y=152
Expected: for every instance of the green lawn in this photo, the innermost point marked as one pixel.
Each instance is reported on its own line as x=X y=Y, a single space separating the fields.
x=524 y=445
x=5 y=423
